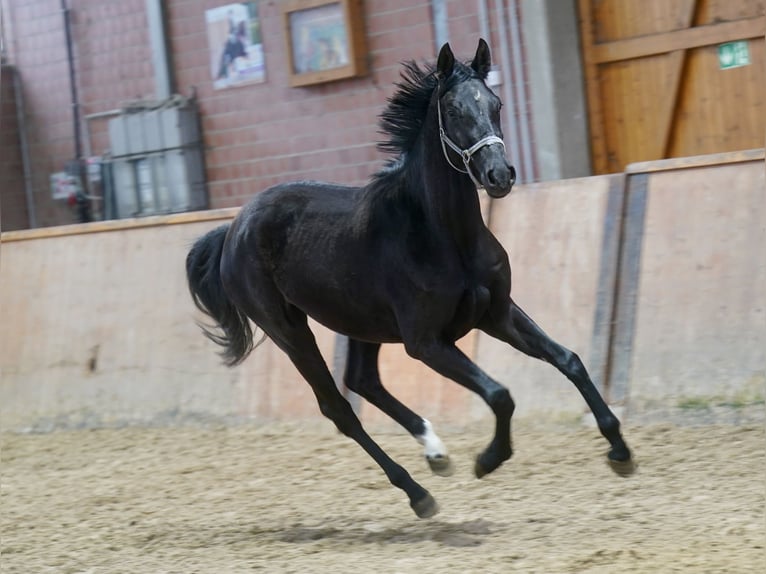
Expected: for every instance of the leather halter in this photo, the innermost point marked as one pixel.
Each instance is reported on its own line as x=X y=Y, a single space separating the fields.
x=465 y=154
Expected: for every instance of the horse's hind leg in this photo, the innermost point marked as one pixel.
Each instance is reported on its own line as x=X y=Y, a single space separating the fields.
x=294 y=337
x=363 y=378
x=516 y=328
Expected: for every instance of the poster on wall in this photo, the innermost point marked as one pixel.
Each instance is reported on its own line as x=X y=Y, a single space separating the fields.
x=236 y=47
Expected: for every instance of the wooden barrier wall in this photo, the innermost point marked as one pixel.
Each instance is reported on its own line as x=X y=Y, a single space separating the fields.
x=691 y=314
x=656 y=278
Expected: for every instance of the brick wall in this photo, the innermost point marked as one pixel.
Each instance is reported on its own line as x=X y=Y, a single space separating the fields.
x=40 y=56
x=256 y=135
x=261 y=134
x=112 y=59
x=13 y=209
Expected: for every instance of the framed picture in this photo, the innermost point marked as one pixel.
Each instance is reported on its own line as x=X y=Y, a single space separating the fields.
x=325 y=40
x=236 y=48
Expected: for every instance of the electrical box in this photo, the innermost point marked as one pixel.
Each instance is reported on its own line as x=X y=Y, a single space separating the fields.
x=156 y=161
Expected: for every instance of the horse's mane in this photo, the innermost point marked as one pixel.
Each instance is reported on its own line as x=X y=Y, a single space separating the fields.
x=403 y=118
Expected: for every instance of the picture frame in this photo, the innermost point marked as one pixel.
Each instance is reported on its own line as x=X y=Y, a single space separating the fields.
x=325 y=40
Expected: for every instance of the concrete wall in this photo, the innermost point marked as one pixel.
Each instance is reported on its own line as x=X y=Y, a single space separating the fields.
x=656 y=278
x=552 y=38
x=98 y=329
x=560 y=237
x=698 y=275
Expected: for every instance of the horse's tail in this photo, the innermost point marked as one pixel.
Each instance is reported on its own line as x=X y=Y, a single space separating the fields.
x=203 y=272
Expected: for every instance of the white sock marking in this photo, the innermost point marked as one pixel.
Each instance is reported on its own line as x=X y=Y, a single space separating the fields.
x=434 y=447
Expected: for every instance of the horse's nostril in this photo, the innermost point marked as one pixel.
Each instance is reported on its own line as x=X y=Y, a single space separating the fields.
x=491 y=177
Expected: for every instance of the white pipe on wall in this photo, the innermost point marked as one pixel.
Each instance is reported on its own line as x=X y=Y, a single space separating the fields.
x=513 y=135
x=163 y=86
x=517 y=60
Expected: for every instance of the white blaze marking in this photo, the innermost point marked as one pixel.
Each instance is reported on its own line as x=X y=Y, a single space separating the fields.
x=477 y=96
x=434 y=447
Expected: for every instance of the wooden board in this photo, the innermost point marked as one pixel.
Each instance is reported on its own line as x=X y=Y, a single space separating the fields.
x=654 y=84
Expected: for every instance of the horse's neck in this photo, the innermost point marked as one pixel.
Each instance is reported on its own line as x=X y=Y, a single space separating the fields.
x=450 y=197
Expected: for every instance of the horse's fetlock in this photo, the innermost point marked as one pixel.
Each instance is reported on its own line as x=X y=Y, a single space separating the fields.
x=610 y=426
x=398 y=476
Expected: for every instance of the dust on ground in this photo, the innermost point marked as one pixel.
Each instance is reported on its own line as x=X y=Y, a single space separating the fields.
x=285 y=498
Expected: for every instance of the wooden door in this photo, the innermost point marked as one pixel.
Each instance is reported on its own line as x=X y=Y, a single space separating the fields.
x=662 y=82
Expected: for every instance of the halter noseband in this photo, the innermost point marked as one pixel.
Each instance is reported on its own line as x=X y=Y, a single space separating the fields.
x=466 y=154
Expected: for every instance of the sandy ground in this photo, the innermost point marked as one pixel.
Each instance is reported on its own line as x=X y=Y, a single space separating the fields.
x=288 y=499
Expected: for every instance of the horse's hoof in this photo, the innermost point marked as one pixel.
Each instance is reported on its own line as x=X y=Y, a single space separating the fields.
x=441 y=465
x=426 y=507
x=482 y=468
x=479 y=469
x=622 y=468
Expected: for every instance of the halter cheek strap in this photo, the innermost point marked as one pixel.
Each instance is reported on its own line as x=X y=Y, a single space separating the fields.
x=465 y=154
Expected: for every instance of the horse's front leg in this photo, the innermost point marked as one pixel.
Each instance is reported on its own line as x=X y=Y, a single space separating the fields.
x=447 y=360
x=515 y=327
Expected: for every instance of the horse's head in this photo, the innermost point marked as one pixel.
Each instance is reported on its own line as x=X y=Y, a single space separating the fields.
x=469 y=124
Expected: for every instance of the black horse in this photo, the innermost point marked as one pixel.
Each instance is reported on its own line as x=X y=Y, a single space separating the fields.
x=406 y=258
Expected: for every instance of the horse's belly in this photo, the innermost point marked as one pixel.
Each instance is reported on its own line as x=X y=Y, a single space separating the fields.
x=372 y=329
x=357 y=316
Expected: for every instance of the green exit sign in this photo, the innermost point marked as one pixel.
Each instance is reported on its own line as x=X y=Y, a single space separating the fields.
x=733 y=55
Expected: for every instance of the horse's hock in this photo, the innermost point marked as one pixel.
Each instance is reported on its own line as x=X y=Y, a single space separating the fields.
x=655 y=277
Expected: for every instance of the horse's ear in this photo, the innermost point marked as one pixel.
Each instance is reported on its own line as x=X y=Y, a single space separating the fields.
x=482 y=61
x=445 y=62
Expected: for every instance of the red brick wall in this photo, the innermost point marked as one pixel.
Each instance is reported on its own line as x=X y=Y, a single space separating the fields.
x=113 y=63
x=40 y=56
x=114 y=59
x=261 y=134
x=256 y=135
x=13 y=209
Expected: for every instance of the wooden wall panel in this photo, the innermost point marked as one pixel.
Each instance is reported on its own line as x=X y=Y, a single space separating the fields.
x=654 y=84
x=731 y=100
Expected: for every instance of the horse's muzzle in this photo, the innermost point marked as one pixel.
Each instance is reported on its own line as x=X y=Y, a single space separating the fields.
x=499 y=182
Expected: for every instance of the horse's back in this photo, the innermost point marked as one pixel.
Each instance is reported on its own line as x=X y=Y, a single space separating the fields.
x=278 y=216
x=302 y=198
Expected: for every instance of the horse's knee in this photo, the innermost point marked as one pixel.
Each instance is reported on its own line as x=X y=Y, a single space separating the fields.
x=368 y=386
x=344 y=418
x=353 y=382
x=500 y=401
x=573 y=365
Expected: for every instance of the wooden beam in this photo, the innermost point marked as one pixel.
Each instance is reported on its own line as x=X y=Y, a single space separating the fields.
x=669 y=106
x=697 y=161
x=642 y=46
x=120 y=224
x=596 y=126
